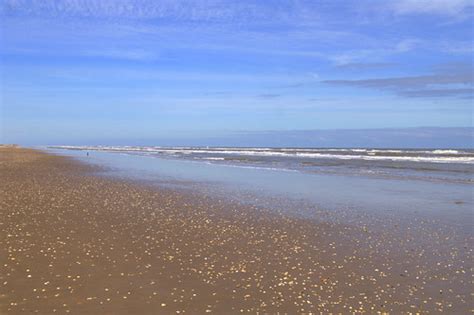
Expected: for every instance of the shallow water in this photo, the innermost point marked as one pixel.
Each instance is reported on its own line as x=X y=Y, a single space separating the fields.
x=422 y=164
x=447 y=201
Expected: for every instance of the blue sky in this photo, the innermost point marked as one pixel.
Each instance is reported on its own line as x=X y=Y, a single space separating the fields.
x=82 y=70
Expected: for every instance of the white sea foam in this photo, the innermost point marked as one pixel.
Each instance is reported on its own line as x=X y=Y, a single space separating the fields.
x=427 y=156
x=213 y=158
x=446 y=152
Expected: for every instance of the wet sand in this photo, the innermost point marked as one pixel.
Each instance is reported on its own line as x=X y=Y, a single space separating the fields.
x=74 y=242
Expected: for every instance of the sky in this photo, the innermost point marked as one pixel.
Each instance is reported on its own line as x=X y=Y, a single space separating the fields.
x=83 y=71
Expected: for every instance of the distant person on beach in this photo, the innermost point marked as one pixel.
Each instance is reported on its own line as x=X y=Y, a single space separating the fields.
x=87 y=153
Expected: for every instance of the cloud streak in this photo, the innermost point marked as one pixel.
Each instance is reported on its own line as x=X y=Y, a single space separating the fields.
x=235 y=12
x=407 y=82
x=449 y=80
x=463 y=93
x=141 y=29
x=438 y=7
x=364 y=65
x=269 y=96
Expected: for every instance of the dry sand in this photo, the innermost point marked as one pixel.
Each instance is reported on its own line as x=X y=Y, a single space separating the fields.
x=74 y=242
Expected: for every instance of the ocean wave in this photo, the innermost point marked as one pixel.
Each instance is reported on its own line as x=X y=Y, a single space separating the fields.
x=427 y=156
x=212 y=158
x=445 y=152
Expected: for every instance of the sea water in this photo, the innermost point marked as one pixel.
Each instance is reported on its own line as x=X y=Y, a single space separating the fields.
x=432 y=183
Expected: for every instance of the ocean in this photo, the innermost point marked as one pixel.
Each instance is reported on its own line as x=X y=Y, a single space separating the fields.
x=447 y=165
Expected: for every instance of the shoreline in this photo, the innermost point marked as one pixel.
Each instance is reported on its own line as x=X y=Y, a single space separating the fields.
x=73 y=241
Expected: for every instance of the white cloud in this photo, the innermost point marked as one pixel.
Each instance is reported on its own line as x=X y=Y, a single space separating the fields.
x=375 y=54
x=128 y=54
x=194 y=10
x=441 y=7
x=447 y=80
x=406 y=45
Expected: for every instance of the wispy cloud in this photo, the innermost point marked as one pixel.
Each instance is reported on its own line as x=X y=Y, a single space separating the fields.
x=383 y=50
x=142 y=29
x=443 y=82
x=408 y=81
x=140 y=9
x=220 y=11
x=364 y=65
x=457 y=47
x=99 y=76
x=129 y=54
x=439 y=7
x=463 y=93
x=306 y=12
x=268 y=96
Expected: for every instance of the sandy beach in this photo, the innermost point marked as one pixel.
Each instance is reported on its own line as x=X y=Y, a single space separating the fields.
x=75 y=242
